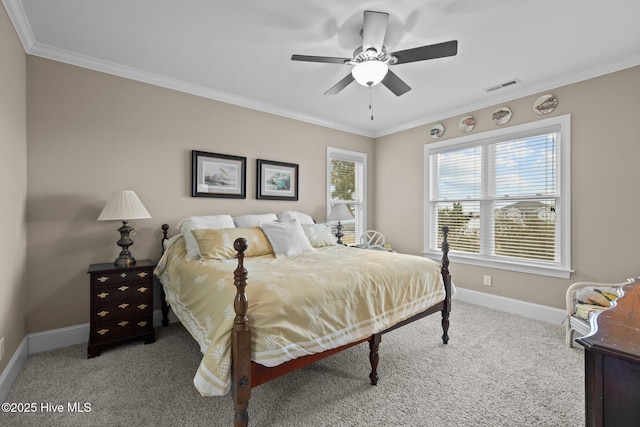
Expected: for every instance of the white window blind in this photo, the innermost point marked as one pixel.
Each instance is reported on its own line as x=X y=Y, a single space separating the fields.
x=346 y=183
x=504 y=196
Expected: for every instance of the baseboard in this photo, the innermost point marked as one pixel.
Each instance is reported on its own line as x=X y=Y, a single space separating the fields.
x=58 y=338
x=510 y=305
x=13 y=368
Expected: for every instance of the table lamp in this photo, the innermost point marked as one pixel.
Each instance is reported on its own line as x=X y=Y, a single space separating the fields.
x=339 y=212
x=123 y=206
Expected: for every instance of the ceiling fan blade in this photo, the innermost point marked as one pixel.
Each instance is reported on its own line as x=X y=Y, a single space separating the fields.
x=327 y=59
x=374 y=28
x=422 y=53
x=395 y=84
x=340 y=85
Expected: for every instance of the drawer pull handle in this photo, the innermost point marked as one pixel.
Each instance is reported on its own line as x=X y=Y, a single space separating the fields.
x=123 y=275
x=142 y=306
x=123 y=323
x=103 y=331
x=143 y=323
x=143 y=274
x=103 y=313
x=103 y=295
x=123 y=306
x=123 y=288
x=102 y=279
x=142 y=289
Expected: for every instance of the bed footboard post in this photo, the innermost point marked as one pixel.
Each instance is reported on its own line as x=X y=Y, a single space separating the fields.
x=374 y=357
x=446 y=277
x=241 y=342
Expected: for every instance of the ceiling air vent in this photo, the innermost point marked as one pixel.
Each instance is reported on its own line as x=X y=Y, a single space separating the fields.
x=502 y=85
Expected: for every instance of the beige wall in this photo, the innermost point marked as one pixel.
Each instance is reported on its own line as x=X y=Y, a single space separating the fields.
x=605 y=149
x=91 y=134
x=13 y=187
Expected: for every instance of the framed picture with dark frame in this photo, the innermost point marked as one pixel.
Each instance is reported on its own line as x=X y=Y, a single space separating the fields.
x=218 y=175
x=277 y=180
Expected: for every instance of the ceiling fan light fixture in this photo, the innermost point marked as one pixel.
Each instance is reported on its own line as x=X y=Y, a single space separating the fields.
x=369 y=73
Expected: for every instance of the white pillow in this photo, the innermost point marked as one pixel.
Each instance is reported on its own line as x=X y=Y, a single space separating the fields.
x=286 y=237
x=194 y=222
x=319 y=235
x=302 y=218
x=246 y=221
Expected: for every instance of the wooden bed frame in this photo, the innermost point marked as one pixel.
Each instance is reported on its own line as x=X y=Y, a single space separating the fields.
x=246 y=374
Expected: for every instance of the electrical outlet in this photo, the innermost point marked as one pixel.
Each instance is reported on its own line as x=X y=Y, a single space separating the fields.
x=1 y=348
x=487 y=280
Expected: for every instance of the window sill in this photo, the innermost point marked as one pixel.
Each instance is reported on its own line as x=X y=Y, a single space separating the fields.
x=539 y=269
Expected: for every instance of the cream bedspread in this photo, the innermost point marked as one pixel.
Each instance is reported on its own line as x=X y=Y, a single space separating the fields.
x=298 y=305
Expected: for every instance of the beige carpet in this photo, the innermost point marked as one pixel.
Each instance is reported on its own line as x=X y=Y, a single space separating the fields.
x=498 y=369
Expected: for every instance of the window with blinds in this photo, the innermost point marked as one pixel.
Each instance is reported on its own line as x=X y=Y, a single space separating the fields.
x=504 y=195
x=346 y=183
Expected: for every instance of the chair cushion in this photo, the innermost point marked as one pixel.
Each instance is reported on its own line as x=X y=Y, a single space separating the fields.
x=596 y=296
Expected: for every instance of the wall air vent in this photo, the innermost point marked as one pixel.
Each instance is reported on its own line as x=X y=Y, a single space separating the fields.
x=502 y=85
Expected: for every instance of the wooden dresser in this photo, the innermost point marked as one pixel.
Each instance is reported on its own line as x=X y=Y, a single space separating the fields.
x=121 y=305
x=612 y=363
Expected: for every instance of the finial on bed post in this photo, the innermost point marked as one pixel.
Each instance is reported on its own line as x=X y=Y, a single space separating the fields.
x=165 y=230
x=241 y=341
x=446 y=277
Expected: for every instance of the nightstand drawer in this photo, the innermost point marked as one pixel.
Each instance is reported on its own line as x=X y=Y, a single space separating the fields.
x=105 y=332
x=141 y=276
x=124 y=310
x=124 y=292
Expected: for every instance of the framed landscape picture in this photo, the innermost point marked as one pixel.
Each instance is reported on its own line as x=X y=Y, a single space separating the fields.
x=218 y=175
x=277 y=180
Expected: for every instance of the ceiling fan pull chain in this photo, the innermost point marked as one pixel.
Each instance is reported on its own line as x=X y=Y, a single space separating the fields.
x=371 y=101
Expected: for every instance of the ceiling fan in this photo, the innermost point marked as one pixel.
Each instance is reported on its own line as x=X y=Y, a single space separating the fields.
x=371 y=60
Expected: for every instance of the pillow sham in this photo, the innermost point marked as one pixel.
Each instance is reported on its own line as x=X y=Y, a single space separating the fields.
x=218 y=243
x=244 y=221
x=302 y=218
x=286 y=237
x=319 y=235
x=195 y=222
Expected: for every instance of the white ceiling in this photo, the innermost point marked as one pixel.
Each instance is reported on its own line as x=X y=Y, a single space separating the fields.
x=239 y=51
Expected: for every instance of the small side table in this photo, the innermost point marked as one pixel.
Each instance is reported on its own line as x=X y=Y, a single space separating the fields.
x=121 y=305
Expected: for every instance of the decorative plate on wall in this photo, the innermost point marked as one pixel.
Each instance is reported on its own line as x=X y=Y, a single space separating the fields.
x=501 y=116
x=467 y=124
x=437 y=130
x=545 y=104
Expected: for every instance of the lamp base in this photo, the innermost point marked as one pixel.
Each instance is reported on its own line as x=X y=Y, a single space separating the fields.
x=339 y=234
x=125 y=259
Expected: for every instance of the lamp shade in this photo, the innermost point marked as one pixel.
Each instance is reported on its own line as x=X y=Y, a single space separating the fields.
x=369 y=73
x=123 y=205
x=339 y=212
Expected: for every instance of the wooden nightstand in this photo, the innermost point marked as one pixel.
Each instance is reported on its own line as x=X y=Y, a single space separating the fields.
x=121 y=305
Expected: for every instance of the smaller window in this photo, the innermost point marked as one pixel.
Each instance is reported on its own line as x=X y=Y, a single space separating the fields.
x=346 y=183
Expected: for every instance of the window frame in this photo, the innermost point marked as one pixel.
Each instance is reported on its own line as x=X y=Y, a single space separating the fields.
x=354 y=156
x=560 y=268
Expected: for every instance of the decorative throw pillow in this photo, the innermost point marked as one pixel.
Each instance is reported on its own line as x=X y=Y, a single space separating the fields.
x=319 y=235
x=218 y=244
x=286 y=237
x=244 y=221
x=596 y=296
x=194 y=222
x=302 y=218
